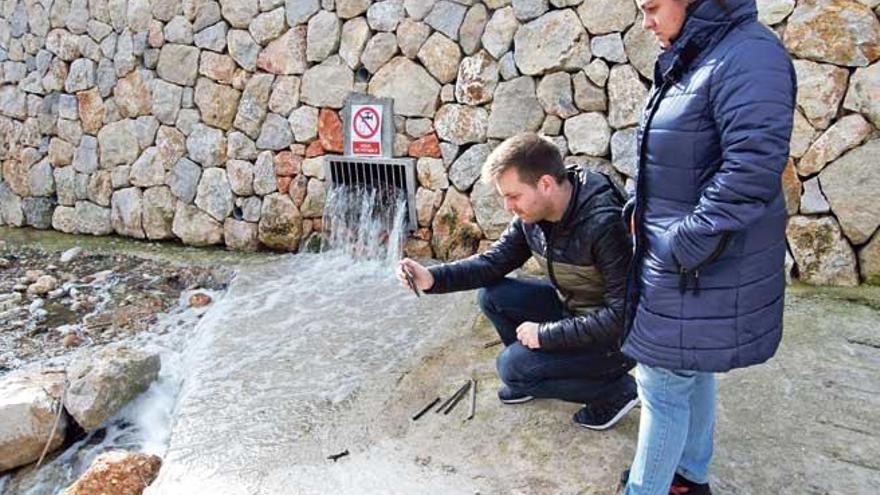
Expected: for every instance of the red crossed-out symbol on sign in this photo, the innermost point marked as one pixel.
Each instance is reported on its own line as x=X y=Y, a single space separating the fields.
x=366 y=122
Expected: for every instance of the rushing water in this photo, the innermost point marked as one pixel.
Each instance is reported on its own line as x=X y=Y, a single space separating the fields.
x=245 y=395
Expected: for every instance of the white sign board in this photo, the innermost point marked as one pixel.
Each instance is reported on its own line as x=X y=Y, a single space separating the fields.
x=366 y=130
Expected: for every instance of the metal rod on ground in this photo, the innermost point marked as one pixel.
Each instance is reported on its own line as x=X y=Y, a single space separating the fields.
x=425 y=409
x=453 y=396
x=458 y=397
x=473 y=407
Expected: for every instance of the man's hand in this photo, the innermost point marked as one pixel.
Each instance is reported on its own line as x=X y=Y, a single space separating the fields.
x=527 y=333
x=421 y=276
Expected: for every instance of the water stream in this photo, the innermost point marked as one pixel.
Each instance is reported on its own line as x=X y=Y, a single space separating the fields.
x=247 y=394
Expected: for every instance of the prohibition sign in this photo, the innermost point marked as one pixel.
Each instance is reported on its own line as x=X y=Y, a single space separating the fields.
x=366 y=122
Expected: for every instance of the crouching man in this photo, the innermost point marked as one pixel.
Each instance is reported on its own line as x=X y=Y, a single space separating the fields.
x=561 y=333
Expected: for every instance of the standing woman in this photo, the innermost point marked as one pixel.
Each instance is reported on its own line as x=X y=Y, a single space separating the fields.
x=707 y=280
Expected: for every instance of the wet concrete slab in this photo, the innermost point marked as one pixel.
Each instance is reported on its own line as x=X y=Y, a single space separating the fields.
x=804 y=423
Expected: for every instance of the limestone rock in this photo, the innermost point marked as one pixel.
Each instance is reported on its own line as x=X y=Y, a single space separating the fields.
x=820 y=91
x=802 y=135
x=432 y=174
x=165 y=101
x=460 y=124
x=100 y=187
x=183 y=180
x=245 y=51
x=118 y=144
x=516 y=109
x=772 y=12
x=440 y=56
x=554 y=41
x=27 y=413
x=240 y=235
x=840 y=32
x=304 y=123
x=488 y=206
x=206 y=145
x=322 y=36
x=427 y=203
x=845 y=134
x=813 y=202
x=91 y=110
x=147 y=171
x=587 y=96
x=588 y=133
x=527 y=10
x=241 y=177
x=125 y=212
x=864 y=86
x=264 y=174
x=268 y=26
x=214 y=196
x=446 y=17
x=455 y=233
x=554 y=94
x=64 y=185
x=850 y=183
x=217 y=103
x=316 y=195
x=499 y=32
x=385 y=15
x=624 y=155
x=92 y=219
x=38 y=212
x=610 y=47
x=472 y=28
x=280 y=224
x=414 y=91
x=327 y=84
x=81 y=76
x=641 y=49
x=791 y=187
x=64 y=219
x=195 y=227
x=379 y=50
x=212 y=38
x=606 y=16
x=287 y=54
x=275 y=133
x=869 y=262
x=355 y=34
x=477 y=79
x=117 y=473
x=300 y=11
x=170 y=146
x=285 y=94
x=239 y=13
x=822 y=255
x=101 y=382
x=158 y=213
x=626 y=97
x=178 y=64
x=346 y=9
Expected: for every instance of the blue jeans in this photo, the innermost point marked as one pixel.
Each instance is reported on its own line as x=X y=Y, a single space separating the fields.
x=675 y=430
x=575 y=376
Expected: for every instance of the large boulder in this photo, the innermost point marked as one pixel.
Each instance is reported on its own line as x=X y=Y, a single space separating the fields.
x=864 y=86
x=195 y=227
x=466 y=169
x=117 y=473
x=489 y=210
x=280 y=224
x=841 y=32
x=477 y=79
x=588 y=133
x=847 y=133
x=820 y=90
x=101 y=382
x=552 y=42
x=822 y=254
x=214 y=196
x=287 y=54
x=851 y=184
x=607 y=16
x=461 y=124
x=158 y=212
x=414 y=91
x=327 y=84
x=516 y=109
x=125 y=212
x=455 y=232
x=217 y=103
x=28 y=407
x=118 y=144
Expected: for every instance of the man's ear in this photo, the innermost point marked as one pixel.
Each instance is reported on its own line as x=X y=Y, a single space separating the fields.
x=546 y=183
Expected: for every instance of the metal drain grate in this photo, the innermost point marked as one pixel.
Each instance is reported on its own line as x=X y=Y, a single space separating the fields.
x=381 y=173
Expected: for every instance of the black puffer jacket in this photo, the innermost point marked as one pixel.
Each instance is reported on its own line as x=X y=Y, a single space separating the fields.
x=585 y=255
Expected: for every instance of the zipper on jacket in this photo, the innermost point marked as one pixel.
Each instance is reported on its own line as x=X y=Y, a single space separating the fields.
x=716 y=253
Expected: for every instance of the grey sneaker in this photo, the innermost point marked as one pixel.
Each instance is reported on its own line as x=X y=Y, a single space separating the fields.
x=605 y=414
x=508 y=396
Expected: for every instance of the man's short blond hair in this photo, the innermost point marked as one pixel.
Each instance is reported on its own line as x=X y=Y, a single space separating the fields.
x=532 y=155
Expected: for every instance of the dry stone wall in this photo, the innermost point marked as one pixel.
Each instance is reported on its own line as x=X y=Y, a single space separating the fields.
x=205 y=121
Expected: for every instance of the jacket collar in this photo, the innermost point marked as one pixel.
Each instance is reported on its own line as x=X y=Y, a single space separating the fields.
x=706 y=23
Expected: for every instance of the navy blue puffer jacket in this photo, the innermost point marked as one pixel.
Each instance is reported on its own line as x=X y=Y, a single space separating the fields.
x=707 y=282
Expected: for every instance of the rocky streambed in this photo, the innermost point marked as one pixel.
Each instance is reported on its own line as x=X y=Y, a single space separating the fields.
x=89 y=336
